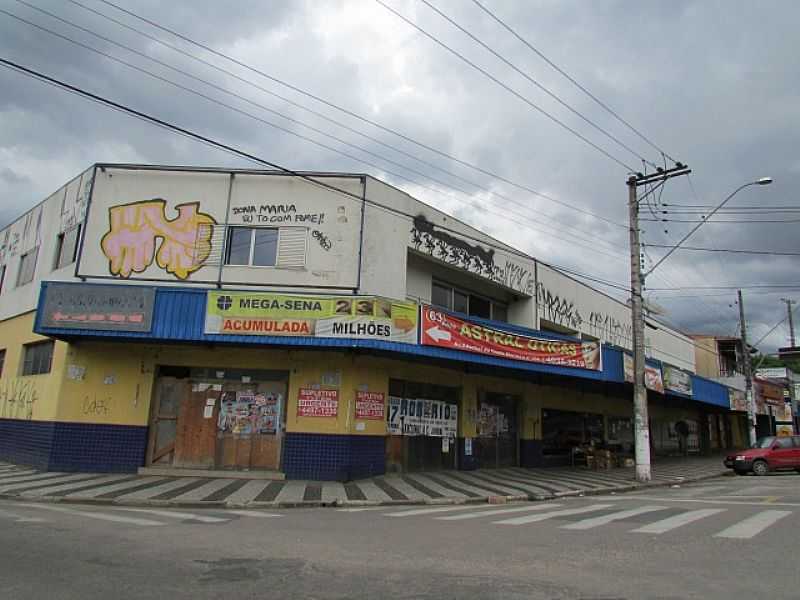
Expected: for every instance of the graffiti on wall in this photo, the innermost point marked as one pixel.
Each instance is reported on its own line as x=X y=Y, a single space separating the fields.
x=17 y=398
x=275 y=213
x=474 y=258
x=563 y=311
x=140 y=232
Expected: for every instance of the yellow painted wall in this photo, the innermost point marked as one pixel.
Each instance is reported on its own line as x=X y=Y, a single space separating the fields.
x=30 y=397
x=112 y=382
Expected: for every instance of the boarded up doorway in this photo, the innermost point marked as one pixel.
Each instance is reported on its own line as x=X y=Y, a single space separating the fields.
x=217 y=418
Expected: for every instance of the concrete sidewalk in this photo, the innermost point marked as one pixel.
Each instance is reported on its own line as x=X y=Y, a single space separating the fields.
x=442 y=487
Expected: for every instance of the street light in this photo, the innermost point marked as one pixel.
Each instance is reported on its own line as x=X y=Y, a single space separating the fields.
x=641 y=425
x=761 y=181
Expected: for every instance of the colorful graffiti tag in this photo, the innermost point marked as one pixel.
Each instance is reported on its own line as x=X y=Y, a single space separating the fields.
x=141 y=232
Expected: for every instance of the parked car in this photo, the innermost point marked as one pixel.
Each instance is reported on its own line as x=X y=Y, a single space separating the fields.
x=769 y=454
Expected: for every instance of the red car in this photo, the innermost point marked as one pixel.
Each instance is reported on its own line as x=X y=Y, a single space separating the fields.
x=769 y=454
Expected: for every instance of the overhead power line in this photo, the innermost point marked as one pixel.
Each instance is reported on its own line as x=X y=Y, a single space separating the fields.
x=571 y=79
x=283 y=99
x=728 y=286
x=774 y=327
x=506 y=87
x=575 y=238
x=694 y=248
x=709 y=207
x=529 y=78
x=335 y=106
x=308 y=178
x=721 y=221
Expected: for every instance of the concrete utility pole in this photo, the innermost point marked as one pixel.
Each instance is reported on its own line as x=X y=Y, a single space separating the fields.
x=641 y=426
x=791 y=319
x=748 y=376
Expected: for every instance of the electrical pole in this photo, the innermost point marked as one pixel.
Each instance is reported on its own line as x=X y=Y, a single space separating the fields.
x=641 y=425
x=791 y=319
x=748 y=376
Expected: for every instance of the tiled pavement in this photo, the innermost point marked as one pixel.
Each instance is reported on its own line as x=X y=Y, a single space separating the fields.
x=445 y=487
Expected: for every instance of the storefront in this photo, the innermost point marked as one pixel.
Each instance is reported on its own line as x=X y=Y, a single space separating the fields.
x=497 y=441
x=333 y=388
x=217 y=418
x=422 y=426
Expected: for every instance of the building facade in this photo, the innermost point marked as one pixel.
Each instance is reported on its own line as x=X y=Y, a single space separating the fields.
x=321 y=326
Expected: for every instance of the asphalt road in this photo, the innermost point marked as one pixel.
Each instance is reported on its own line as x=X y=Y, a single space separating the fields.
x=733 y=537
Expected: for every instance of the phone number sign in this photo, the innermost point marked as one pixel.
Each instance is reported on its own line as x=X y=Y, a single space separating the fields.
x=317 y=403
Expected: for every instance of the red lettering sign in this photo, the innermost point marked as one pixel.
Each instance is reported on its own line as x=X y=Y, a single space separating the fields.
x=317 y=403
x=447 y=331
x=369 y=405
x=254 y=326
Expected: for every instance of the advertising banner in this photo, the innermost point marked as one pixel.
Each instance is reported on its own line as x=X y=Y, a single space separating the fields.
x=652 y=375
x=433 y=418
x=676 y=380
x=447 y=331
x=360 y=317
x=769 y=393
x=317 y=403
x=93 y=306
x=369 y=405
x=738 y=400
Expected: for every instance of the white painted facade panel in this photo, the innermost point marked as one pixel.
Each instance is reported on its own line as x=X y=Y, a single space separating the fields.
x=169 y=226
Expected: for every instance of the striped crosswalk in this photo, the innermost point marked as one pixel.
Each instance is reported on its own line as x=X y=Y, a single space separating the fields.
x=584 y=517
x=40 y=512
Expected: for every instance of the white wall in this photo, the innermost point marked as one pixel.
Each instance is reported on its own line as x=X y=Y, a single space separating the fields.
x=168 y=225
x=572 y=304
x=40 y=228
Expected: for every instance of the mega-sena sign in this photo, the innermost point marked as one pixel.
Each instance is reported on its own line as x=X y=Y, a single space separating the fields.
x=360 y=317
x=447 y=331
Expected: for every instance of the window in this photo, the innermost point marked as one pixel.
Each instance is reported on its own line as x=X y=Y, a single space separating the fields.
x=27 y=267
x=446 y=296
x=2 y=361
x=38 y=358
x=442 y=296
x=252 y=247
x=67 y=248
x=2 y=277
x=784 y=443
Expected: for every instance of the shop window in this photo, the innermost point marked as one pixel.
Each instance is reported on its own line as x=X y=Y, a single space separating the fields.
x=252 y=247
x=2 y=361
x=563 y=430
x=473 y=305
x=38 y=358
x=27 y=267
x=67 y=247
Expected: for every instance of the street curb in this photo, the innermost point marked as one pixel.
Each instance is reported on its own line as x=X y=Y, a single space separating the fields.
x=222 y=504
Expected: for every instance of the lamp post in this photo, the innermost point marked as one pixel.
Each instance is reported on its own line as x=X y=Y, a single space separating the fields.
x=641 y=421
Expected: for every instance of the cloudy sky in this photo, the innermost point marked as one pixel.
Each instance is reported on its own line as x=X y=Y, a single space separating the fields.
x=712 y=84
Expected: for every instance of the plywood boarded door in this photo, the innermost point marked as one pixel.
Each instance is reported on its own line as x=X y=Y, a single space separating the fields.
x=164 y=418
x=197 y=426
x=251 y=425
